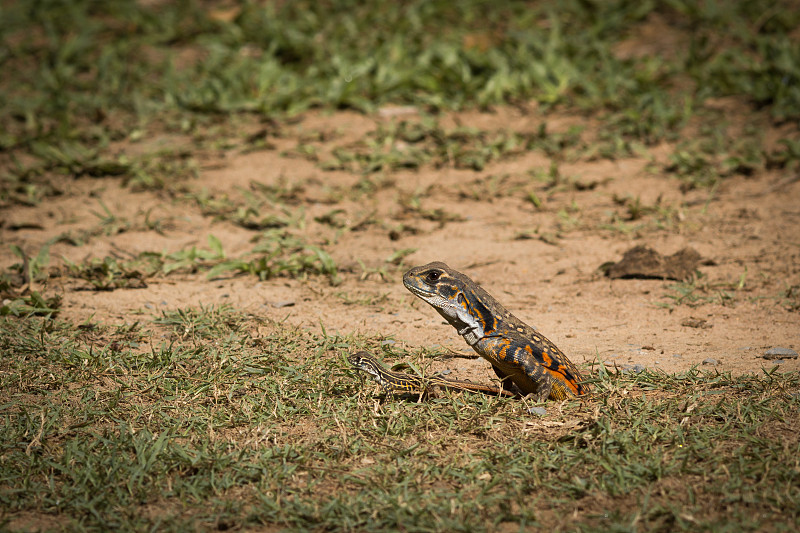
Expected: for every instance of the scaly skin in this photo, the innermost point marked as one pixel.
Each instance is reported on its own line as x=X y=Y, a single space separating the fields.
x=518 y=353
x=392 y=381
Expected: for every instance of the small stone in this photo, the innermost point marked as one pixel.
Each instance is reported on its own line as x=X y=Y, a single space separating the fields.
x=387 y=342
x=636 y=369
x=538 y=411
x=693 y=322
x=148 y=306
x=677 y=355
x=778 y=361
x=780 y=353
x=285 y=303
x=710 y=361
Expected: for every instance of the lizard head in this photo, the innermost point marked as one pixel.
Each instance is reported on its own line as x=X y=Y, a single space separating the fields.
x=365 y=362
x=452 y=294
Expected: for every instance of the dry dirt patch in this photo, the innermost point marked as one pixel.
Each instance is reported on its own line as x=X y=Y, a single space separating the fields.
x=540 y=262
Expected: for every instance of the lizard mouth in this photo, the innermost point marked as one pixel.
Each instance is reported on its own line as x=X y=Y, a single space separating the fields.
x=419 y=291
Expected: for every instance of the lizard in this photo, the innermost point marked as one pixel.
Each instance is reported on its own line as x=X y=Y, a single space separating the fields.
x=425 y=387
x=518 y=353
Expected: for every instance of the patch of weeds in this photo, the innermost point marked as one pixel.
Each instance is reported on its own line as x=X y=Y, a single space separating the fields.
x=535 y=234
x=32 y=269
x=210 y=205
x=369 y=185
x=699 y=291
x=685 y=293
x=397 y=258
x=282 y=191
x=633 y=206
x=657 y=216
x=790 y=298
x=569 y=218
x=26 y=185
x=73 y=158
x=534 y=199
x=369 y=157
x=192 y=259
x=153 y=171
x=260 y=139
x=787 y=156
x=281 y=254
x=761 y=64
x=32 y=305
x=694 y=168
x=202 y=323
x=472 y=149
x=250 y=218
x=161 y=170
x=622 y=226
x=650 y=117
x=565 y=145
x=413 y=144
x=555 y=181
x=380 y=272
x=110 y=223
x=108 y=274
x=303 y=151
x=743 y=157
x=395 y=262
x=717 y=154
x=487 y=188
x=412 y=206
x=332 y=218
x=251 y=214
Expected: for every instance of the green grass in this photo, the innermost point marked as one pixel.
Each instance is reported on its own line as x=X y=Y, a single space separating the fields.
x=178 y=79
x=208 y=418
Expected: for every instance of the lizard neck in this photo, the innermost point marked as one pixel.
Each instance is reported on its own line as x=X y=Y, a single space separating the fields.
x=471 y=336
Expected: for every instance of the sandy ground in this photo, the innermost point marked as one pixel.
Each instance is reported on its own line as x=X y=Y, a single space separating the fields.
x=747 y=230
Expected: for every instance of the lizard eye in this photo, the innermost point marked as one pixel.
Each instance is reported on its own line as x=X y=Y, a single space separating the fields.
x=433 y=276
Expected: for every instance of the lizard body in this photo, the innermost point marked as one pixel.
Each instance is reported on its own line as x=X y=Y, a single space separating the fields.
x=518 y=353
x=392 y=381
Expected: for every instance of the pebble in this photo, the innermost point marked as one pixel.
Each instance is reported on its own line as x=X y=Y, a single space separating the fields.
x=538 y=411
x=778 y=361
x=285 y=303
x=387 y=342
x=710 y=361
x=636 y=369
x=148 y=305
x=677 y=355
x=780 y=353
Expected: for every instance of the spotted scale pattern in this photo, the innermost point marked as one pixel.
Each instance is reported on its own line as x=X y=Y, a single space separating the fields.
x=518 y=352
x=392 y=381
